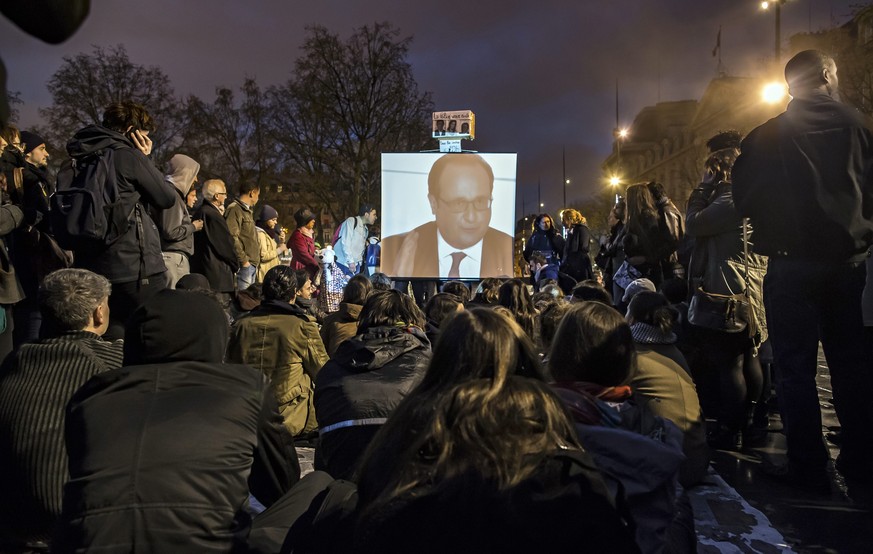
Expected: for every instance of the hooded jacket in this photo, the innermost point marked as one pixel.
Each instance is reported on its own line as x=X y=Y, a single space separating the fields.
x=340 y=326
x=164 y=451
x=282 y=341
x=177 y=231
x=139 y=184
x=359 y=387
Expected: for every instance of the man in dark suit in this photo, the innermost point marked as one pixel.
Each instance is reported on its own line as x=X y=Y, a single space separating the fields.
x=459 y=243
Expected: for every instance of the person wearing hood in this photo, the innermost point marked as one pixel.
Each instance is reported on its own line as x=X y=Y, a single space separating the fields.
x=366 y=379
x=177 y=229
x=165 y=451
x=280 y=339
x=132 y=263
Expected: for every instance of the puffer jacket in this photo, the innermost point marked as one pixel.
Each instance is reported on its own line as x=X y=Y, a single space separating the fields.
x=282 y=341
x=359 y=388
x=717 y=260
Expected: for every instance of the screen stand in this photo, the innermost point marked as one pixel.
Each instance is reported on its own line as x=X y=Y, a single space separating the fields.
x=450 y=145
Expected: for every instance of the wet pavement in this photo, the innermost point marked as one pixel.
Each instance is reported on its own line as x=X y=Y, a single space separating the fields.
x=746 y=512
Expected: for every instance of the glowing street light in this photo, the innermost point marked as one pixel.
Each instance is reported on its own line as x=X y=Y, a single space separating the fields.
x=614 y=180
x=622 y=133
x=773 y=93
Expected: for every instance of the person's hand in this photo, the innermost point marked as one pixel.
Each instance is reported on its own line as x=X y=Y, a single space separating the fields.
x=406 y=255
x=281 y=248
x=198 y=224
x=282 y=236
x=141 y=141
x=246 y=264
x=353 y=267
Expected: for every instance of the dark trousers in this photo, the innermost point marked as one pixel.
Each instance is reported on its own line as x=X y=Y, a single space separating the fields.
x=809 y=301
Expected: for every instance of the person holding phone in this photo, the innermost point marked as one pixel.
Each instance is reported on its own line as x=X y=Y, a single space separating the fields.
x=132 y=263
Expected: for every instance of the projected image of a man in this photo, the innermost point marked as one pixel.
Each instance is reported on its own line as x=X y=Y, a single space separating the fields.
x=459 y=243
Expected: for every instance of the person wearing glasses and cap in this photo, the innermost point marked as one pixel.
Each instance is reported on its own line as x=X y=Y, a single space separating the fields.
x=459 y=243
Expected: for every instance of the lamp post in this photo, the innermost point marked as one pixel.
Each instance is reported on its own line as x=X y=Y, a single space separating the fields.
x=777 y=11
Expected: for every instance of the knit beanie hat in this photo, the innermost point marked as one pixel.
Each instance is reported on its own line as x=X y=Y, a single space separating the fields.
x=303 y=216
x=30 y=141
x=268 y=212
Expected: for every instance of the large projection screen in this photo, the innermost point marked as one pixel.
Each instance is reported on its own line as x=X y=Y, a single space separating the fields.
x=462 y=228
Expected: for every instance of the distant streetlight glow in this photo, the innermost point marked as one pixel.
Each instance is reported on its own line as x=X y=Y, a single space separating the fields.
x=614 y=180
x=773 y=93
x=622 y=133
x=765 y=5
x=542 y=204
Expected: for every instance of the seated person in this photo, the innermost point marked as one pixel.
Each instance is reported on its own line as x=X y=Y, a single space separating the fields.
x=438 y=309
x=281 y=340
x=165 y=451
x=541 y=270
x=366 y=379
x=482 y=454
x=36 y=382
x=592 y=358
x=663 y=381
x=342 y=324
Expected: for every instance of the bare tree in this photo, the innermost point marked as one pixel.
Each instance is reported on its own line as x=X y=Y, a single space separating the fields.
x=346 y=104
x=86 y=83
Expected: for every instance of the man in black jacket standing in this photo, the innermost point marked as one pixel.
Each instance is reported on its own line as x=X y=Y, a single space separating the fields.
x=214 y=254
x=133 y=262
x=805 y=178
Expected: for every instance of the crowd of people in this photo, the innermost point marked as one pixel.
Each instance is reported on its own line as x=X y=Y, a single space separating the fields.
x=154 y=390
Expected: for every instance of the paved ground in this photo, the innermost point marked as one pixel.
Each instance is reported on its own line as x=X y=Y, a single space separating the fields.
x=745 y=512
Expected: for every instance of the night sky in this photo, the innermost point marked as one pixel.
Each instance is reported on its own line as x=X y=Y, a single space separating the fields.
x=540 y=75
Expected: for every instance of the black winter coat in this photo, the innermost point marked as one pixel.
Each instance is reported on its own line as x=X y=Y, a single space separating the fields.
x=358 y=389
x=164 y=451
x=214 y=254
x=139 y=183
x=805 y=178
x=576 y=263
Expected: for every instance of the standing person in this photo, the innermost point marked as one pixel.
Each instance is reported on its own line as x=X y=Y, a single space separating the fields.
x=672 y=226
x=214 y=255
x=353 y=238
x=302 y=243
x=29 y=188
x=177 y=229
x=718 y=265
x=646 y=246
x=270 y=241
x=611 y=254
x=575 y=262
x=241 y=224
x=805 y=180
x=132 y=263
x=546 y=240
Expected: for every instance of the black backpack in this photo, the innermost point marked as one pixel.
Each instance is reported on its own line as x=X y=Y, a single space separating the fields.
x=85 y=208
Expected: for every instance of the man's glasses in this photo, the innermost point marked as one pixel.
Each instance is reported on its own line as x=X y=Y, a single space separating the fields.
x=460 y=206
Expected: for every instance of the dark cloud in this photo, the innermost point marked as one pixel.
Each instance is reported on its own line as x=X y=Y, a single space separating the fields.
x=539 y=75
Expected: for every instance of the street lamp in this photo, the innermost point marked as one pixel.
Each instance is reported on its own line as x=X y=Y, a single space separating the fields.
x=614 y=181
x=777 y=11
x=773 y=93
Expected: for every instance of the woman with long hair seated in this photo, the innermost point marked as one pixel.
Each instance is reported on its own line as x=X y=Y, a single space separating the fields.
x=481 y=457
x=591 y=361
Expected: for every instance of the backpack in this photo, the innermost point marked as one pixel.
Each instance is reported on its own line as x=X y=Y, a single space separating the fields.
x=85 y=208
x=336 y=234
